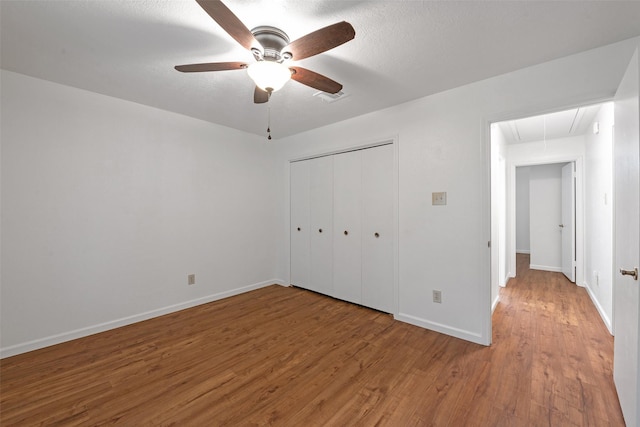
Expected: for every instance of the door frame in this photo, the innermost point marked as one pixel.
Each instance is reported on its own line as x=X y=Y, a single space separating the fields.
x=579 y=210
x=572 y=214
x=487 y=122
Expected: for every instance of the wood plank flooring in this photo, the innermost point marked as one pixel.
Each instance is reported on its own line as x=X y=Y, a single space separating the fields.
x=285 y=356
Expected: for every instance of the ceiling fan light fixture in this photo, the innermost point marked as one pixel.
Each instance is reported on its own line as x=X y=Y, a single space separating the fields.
x=269 y=76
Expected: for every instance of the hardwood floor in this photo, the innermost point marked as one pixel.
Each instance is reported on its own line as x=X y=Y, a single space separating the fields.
x=285 y=356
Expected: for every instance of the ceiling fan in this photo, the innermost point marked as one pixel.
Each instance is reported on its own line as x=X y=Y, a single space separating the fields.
x=272 y=50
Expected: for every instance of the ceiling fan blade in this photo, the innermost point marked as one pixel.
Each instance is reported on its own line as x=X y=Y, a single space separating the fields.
x=315 y=80
x=260 y=96
x=211 y=66
x=320 y=41
x=230 y=23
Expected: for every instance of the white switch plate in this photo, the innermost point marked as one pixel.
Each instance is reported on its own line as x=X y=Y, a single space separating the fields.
x=439 y=198
x=437 y=297
x=191 y=279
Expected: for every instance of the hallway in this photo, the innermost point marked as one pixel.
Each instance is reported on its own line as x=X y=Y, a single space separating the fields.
x=556 y=350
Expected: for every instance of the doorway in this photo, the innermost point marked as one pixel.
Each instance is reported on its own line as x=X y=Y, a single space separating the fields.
x=545 y=207
x=582 y=140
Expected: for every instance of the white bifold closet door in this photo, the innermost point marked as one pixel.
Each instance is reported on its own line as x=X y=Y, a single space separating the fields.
x=342 y=235
x=300 y=231
x=321 y=224
x=347 y=235
x=377 y=228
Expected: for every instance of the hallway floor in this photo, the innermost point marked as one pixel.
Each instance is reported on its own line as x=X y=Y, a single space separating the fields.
x=556 y=350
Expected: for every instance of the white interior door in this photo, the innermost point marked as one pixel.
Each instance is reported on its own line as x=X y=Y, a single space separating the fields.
x=299 y=190
x=627 y=244
x=568 y=226
x=321 y=224
x=377 y=228
x=347 y=207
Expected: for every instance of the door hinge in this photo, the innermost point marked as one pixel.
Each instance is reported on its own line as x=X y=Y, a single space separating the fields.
x=489 y=244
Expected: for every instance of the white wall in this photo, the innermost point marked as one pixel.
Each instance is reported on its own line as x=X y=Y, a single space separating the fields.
x=107 y=205
x=442 y=143
x=522 y=210
x=545 y=214
x=599 y=214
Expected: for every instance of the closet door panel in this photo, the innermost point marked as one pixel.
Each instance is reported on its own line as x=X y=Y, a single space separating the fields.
x=377 y=228
x=347 y=207
x=321 y=224
x=300 y=231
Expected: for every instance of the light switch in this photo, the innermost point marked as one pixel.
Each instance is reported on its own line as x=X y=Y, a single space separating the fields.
x=439 y=198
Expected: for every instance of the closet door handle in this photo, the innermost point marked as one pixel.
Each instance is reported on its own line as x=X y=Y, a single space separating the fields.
x=298 y=228
x=319 y=230
x=633 y=273
x=377 y=235
x=346 y=232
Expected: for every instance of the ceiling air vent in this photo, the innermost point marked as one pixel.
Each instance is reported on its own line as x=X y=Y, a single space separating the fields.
x=331 y=97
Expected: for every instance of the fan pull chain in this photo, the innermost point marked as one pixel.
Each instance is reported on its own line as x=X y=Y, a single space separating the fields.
x=269 y=124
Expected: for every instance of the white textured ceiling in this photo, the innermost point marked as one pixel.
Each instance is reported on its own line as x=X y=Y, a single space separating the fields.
x=561 y=124
x=402 y=50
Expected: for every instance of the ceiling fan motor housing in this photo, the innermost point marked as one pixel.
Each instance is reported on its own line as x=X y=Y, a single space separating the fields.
x=273 y=40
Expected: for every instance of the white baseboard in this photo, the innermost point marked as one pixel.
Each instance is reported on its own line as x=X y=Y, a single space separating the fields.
x=443 y=329
x=102 y=327
x=510 y=275
x=503 y=282
x=523 y=251
x=596 y=303
x=495 y=304
x=545 y=268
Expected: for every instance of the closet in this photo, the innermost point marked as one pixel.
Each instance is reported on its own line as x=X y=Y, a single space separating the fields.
x=342 y=226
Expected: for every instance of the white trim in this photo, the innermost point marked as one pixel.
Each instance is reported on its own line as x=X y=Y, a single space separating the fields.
x=484 y=224
x=113 y=324
x=495 y=303
x=603 y=314
x=443 y=329
x=545 y=268
x=396 y=224
x=503 y=282
x=386 y=141
x=523 y=251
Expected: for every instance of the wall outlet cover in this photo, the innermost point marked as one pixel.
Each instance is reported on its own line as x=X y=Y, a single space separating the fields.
x=439 y=198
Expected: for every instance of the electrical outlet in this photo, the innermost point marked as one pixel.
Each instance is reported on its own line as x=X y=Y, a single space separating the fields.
x=437 y=297
x=439 y=198
x=191 y=279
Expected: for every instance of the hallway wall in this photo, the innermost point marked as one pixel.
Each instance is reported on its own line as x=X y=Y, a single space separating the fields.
x=599 y=214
